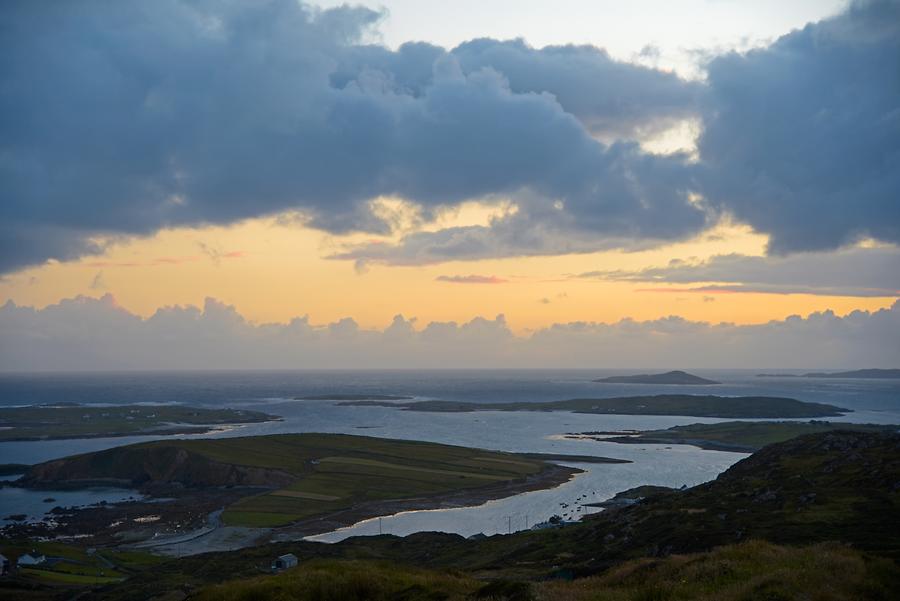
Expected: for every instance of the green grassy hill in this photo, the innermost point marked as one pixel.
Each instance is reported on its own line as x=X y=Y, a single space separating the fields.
x=837 y=486
x=304 y=474
x=748 y=571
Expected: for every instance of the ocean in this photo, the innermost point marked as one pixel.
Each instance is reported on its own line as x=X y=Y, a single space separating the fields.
x=871 y=401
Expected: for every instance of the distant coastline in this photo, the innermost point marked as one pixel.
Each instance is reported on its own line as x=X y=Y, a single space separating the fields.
x=866 y=374
x=736 y=436
x=749 y=407
x=70 y=421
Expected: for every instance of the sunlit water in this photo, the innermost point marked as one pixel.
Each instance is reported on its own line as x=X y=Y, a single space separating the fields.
x=872 y=402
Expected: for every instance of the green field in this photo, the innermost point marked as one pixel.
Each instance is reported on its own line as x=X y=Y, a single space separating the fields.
x=749 y=407
x=71 y=565
x=302 y=475
x=81 y=421
x=337 y=472
x=742 y=436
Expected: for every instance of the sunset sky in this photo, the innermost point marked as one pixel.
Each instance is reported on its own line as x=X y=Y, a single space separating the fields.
x=550 y=162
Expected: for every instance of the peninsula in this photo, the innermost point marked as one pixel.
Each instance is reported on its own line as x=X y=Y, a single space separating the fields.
x=749 y=407
x=311 y=482
x=71 y=420
x=745 y=437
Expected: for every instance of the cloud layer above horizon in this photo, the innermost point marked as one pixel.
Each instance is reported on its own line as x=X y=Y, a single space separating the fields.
x=121 y=118
x=96 y=334
x=852 y=272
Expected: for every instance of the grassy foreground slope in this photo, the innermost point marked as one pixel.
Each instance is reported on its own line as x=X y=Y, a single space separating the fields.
x=301 y=475
x=838 y=486
x=741 y=436
x=747 y=407
x=753 y=570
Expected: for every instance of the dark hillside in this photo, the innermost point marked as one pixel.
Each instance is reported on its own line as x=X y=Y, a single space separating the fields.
x=837 y=486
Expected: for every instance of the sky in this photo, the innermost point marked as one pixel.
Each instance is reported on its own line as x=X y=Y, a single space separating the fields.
x=400 y=183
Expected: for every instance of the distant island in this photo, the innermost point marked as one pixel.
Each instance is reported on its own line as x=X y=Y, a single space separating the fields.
x=71 y=420
x=352 y=397
x=676 y=377
x=863 y=374
x=748 y=407
x=745 y=437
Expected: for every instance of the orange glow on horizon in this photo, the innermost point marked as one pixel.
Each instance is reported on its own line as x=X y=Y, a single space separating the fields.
x=273 y=269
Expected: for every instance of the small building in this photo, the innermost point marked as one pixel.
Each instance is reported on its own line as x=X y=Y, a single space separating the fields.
x=284 y=562
x=31 y=559
x=4 y=565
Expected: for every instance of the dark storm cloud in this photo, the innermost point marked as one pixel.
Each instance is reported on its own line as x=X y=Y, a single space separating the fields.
x=119 y=118
x=802 y=139
x=611 y=98
x=124 y=117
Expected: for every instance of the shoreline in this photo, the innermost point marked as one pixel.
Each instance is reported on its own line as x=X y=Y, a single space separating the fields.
x=180 y=431
x=213 y=535
x=228 y=538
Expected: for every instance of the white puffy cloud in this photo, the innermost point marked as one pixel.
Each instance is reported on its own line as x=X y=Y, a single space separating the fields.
x=95 y=334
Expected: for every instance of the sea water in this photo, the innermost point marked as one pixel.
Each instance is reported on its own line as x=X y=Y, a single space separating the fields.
x=872 y=401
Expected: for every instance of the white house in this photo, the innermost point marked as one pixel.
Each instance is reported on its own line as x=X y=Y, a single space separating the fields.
x=31 y=559
x=284 y=562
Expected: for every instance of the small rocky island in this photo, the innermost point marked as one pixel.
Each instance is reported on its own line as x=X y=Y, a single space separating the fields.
x=677 y=377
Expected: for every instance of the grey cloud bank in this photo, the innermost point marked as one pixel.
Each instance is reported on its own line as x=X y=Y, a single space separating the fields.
x=802 y=139
x=95 y=334
x=851 y=272
x=126 y=117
